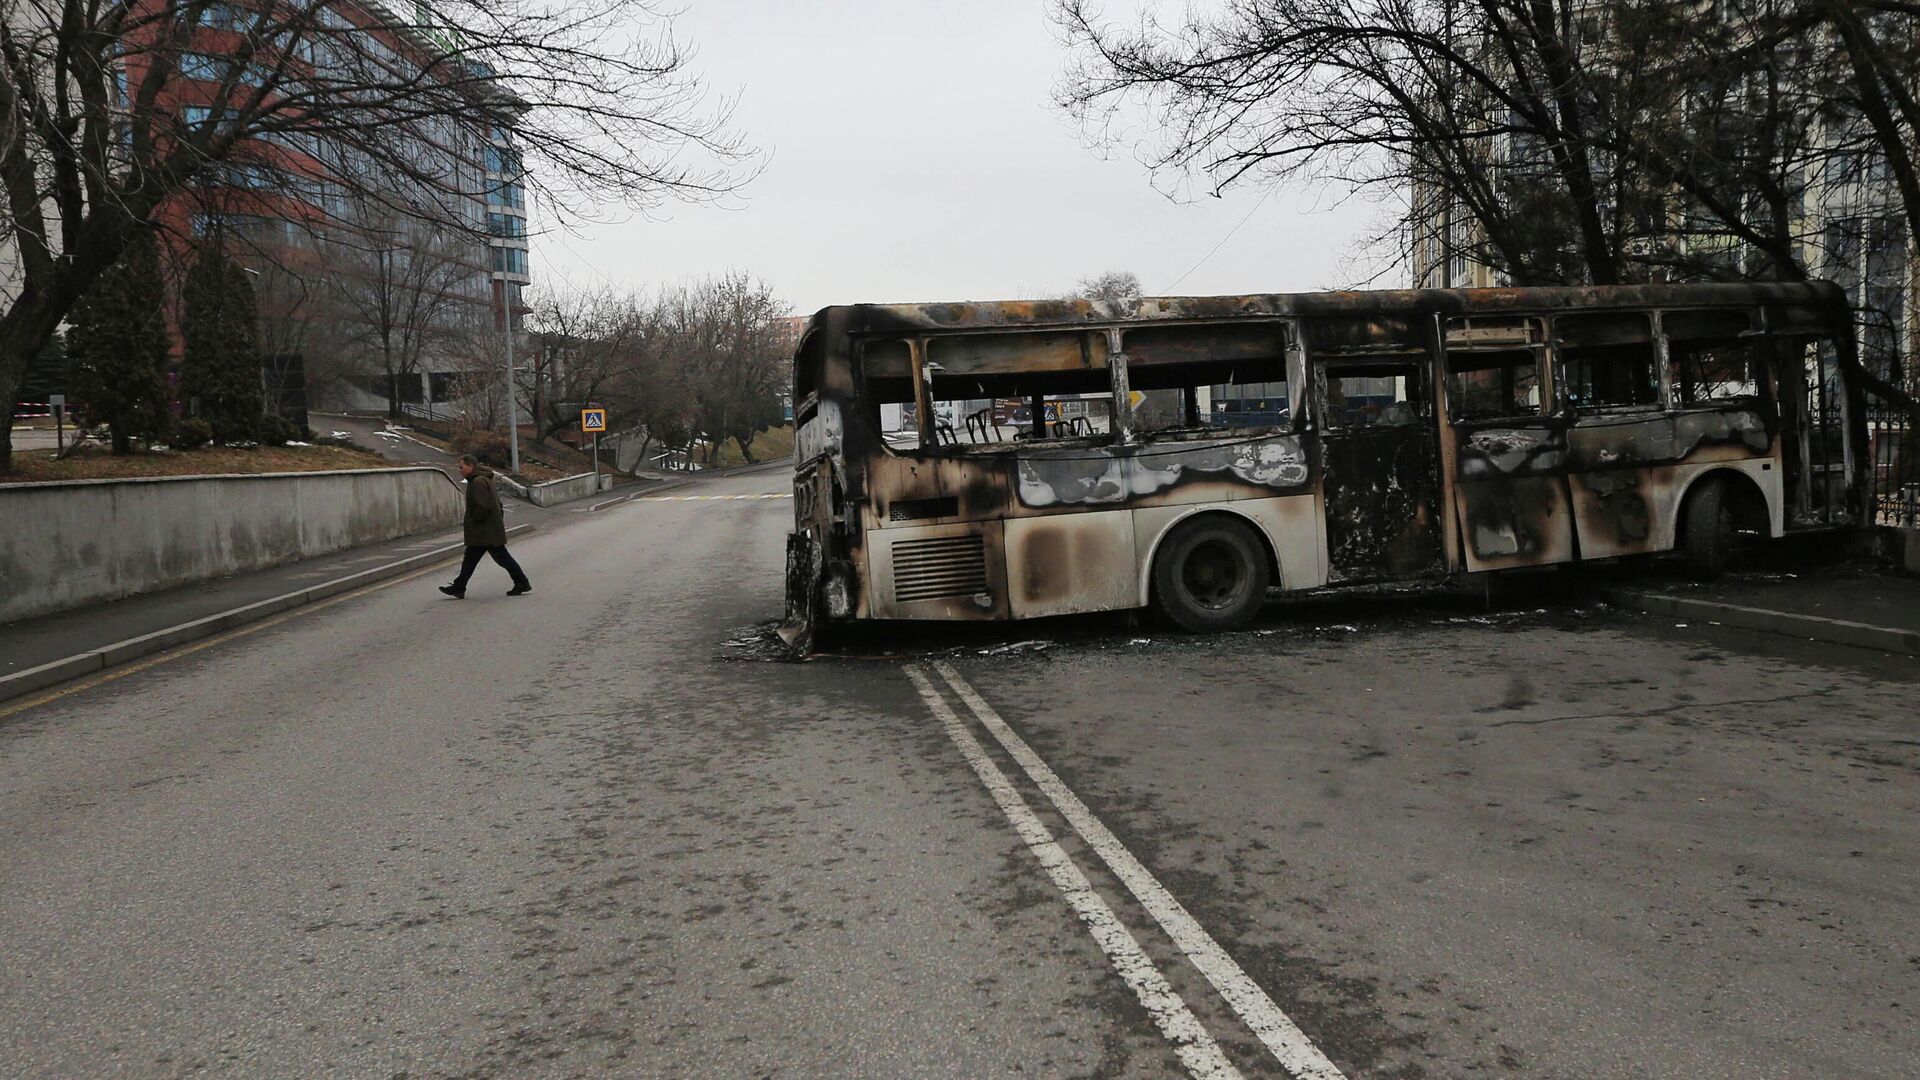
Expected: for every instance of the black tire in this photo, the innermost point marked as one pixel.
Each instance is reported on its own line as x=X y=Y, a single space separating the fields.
x=1707 y=534
x=1210 y=575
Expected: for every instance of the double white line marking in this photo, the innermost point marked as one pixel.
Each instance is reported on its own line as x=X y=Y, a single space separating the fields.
x=1197 y=1050
x=712 y=498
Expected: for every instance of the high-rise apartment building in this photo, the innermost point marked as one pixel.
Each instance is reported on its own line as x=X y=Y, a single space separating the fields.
x=1843 y=211
x=385 y=261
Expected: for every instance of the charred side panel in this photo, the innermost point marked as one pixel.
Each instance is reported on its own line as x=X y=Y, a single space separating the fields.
x=1383 y=502
x=823 y=578
x=1515 y=522
x=1512 y=495
x=1070 y=563
x=1149 y=474
x=1624 y=440
x=927 y=490
x=1624 y=481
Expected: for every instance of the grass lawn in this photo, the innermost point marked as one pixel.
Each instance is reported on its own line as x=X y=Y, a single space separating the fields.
x=96 y=463
x=770 y=445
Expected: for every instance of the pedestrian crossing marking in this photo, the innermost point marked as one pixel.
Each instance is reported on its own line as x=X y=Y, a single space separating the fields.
x=710 y=498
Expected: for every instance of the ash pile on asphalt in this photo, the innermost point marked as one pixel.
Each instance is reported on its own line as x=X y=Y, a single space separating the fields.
x=1327 y=614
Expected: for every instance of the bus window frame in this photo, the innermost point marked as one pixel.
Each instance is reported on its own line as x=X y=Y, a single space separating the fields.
x=1122 y=430
x=1545 y=361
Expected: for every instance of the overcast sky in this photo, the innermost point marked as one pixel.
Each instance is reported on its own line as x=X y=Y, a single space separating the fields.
x=915 y=155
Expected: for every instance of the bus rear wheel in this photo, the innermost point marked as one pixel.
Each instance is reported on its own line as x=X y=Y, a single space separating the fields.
x=1708 y=533
x=1210 y=575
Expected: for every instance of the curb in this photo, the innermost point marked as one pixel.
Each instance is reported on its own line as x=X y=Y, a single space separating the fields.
x=1835 y=631
x=86 y=663
x=667 y=485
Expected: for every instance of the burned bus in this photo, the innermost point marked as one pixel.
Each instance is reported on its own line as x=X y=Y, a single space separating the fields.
x=1399 y=434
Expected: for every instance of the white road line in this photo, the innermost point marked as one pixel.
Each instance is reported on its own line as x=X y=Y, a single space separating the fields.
x=1295 y=1052
x=1196 y=1049
x=704 y=498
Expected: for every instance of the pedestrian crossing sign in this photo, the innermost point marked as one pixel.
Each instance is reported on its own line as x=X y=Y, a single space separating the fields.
x=593 y=419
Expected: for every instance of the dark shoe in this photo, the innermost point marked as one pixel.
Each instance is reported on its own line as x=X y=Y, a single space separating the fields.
x=457 y=594
x=521 y=589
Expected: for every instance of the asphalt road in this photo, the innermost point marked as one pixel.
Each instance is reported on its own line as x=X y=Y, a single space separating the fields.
x=597 y=831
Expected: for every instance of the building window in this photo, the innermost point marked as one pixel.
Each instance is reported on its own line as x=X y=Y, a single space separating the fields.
x=508 y=260
x=507 y=195
x=501 y=159
x=512 y=226
x=225 y=17
x=215 y=69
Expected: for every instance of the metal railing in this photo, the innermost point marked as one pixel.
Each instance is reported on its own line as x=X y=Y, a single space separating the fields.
x=1893 y=445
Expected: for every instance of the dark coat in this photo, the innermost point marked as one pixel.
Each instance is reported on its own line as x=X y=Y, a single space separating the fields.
x=486 y=524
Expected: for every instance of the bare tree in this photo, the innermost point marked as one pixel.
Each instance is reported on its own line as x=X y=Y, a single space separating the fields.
x=407 y=291
x=1112 y=285
x=742 y=365
x=108 y=112
x=585 y=349
x=1552 y=141
x=303 y=330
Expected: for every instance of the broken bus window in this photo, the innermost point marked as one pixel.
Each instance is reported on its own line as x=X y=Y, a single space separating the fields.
x=1607 y=359
x=1493 y=367
x=1708 y=358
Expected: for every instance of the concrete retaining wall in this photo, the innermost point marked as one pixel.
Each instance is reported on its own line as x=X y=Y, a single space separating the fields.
x=567 y=488
x=69 y=544
x=1903 y=544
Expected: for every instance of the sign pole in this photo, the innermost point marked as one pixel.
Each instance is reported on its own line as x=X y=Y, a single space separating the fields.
x=594 y=421
x=59 y=403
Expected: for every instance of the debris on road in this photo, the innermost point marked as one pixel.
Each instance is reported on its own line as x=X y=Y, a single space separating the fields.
x=1018 y=646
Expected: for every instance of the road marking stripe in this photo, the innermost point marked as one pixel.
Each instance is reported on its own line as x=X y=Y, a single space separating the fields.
x=710 y=498
x=1289 y=1045
x=157 y=659
x=1196 y=1049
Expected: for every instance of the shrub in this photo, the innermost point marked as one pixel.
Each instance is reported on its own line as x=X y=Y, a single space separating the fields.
x=277 y=430
x=489 y=446
x=192 y=434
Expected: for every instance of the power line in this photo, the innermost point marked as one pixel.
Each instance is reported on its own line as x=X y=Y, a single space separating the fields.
x=1216 y=248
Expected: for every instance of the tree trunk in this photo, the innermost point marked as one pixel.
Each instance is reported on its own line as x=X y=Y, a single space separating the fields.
x=746 y=450
x=9 y=382
x=24 y=332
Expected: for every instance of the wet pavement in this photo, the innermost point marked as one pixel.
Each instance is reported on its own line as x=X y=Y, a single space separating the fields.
x=603 y=831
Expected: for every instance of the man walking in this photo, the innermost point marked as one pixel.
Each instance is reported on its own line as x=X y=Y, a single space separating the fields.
x=486 y=532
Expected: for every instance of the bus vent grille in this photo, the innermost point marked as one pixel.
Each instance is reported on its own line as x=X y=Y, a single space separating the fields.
x=939 y=567
x=915 y=509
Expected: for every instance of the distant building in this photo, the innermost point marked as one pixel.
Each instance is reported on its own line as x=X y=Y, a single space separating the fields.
x=1846 y=215
x=327 y=259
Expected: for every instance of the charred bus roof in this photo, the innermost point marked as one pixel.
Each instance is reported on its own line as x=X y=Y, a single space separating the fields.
x=1022 y=314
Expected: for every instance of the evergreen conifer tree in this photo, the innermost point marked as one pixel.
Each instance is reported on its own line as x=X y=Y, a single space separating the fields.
x=47 y=373
x=117 y=348
x=220 y=332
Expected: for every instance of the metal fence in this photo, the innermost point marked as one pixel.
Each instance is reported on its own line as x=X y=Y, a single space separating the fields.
x=1893 y=444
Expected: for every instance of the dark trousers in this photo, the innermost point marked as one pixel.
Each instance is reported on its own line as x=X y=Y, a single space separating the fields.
x=472 y=559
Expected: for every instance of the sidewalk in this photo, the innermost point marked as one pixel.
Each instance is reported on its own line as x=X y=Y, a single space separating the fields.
x=38 y=652
x=1845 y=606
x=41 y=652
